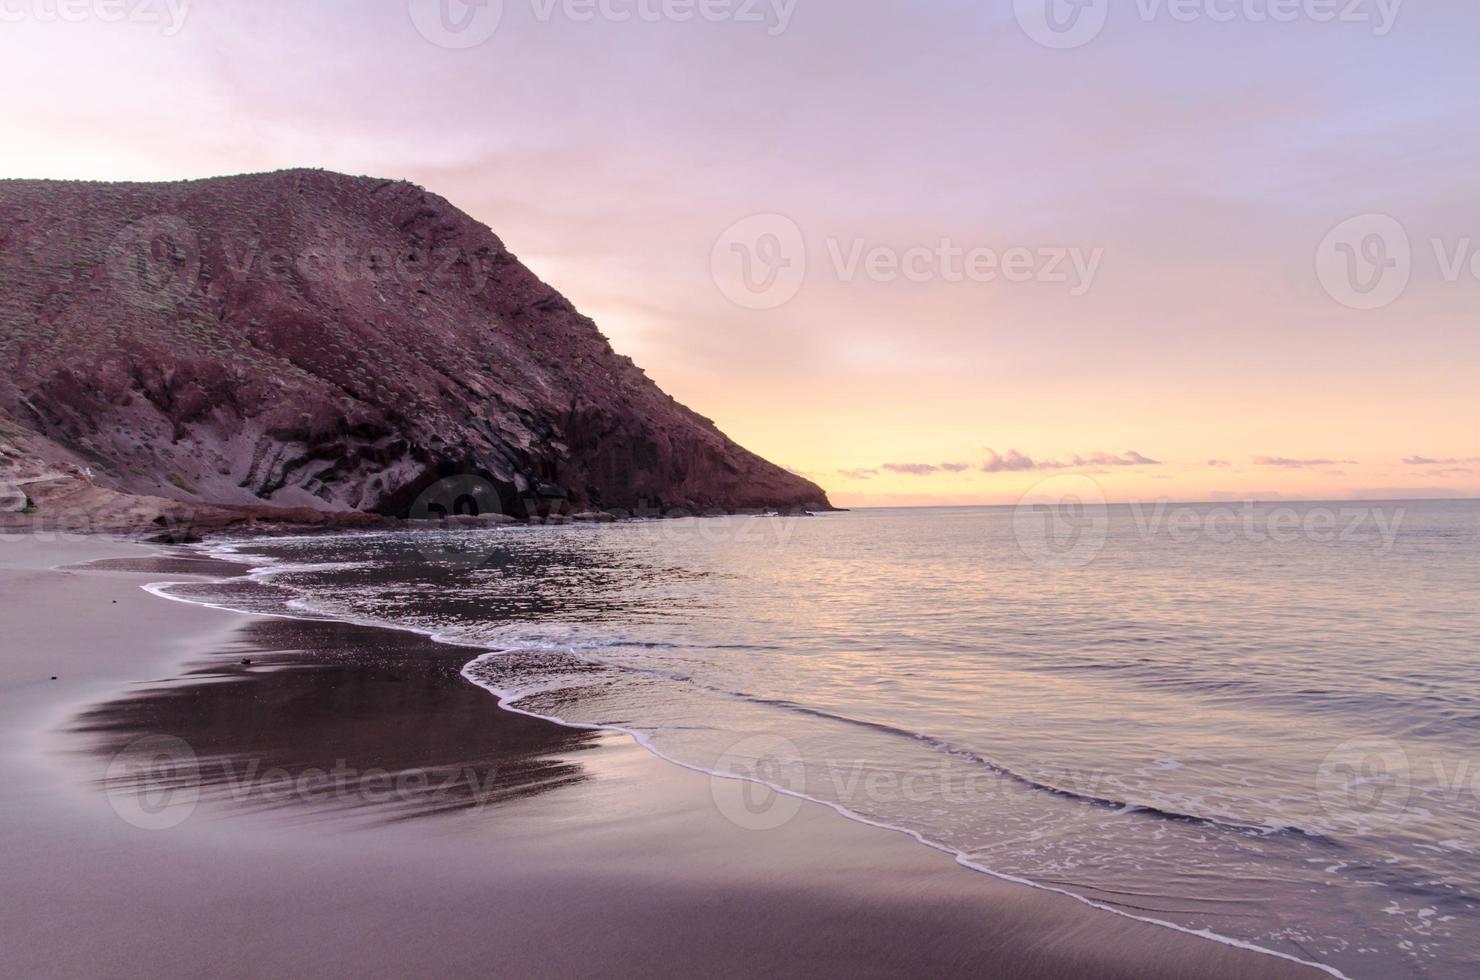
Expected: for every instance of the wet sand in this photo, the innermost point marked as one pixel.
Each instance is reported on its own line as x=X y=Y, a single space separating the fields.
x=346 y=804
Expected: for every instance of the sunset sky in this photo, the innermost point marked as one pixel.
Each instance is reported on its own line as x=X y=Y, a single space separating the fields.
x=1123 y=258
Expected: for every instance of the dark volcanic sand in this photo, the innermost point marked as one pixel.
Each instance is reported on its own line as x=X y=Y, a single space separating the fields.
x=583 y=856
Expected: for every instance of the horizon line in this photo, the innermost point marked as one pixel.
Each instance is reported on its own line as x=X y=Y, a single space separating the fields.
x=1180 y=503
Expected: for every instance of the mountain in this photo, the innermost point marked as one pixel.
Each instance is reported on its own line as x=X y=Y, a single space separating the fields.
x=327 y=343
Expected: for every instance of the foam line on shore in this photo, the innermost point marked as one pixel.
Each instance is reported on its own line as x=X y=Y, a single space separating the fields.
x=261 y=568
x=509 y=702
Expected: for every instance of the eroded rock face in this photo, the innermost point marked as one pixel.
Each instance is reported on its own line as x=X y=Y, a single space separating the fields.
x=306 y=339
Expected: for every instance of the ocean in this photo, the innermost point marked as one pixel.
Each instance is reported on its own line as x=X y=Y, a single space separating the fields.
x=1260 y=722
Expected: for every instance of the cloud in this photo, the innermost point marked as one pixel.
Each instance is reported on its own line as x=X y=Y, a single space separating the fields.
x=1013 y=462
x=1300 y=464
x=1219 y=462
x=1016 y=462
x=1425 y=461
x=926 y=469
x=1105 y=459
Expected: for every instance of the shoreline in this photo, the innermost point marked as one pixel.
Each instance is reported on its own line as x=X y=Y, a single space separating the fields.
x=505 y=699
x=998 y=927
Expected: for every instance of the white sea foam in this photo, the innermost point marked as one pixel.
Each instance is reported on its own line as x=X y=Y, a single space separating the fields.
x=1180 y=686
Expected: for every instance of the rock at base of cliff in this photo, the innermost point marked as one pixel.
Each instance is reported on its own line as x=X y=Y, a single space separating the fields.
x=595 y=517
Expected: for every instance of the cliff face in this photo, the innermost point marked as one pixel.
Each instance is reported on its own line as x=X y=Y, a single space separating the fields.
x=305 y=339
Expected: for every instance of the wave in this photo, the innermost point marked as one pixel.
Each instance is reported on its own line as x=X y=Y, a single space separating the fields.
x=1104 y=802
x=302 y=607
x=509 y=701
x=946 y=747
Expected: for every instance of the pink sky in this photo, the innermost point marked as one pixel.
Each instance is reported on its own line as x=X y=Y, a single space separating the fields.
x=1186 y=175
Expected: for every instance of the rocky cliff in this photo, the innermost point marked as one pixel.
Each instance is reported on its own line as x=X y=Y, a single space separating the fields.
x=309 y=340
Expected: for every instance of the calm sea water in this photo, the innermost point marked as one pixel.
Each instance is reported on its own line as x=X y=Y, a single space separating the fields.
x=1262 y=722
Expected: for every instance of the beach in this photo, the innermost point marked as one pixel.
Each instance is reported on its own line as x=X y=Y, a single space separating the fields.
x=361 y=809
